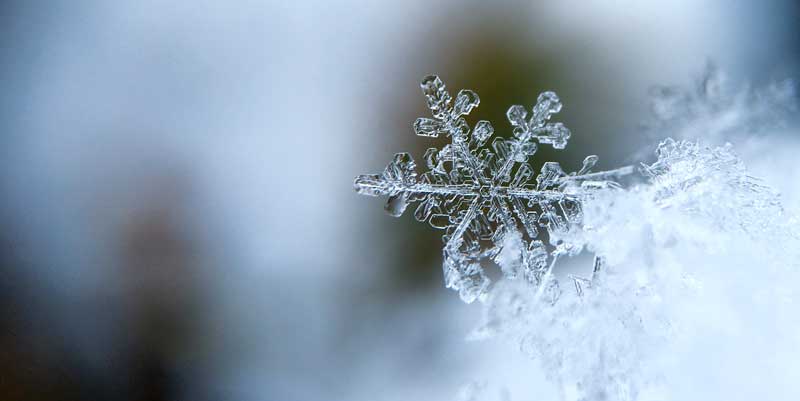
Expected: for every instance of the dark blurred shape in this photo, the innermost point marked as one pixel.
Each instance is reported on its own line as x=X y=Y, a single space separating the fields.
x=32 y=366
x=144 y=327
x=160 y=293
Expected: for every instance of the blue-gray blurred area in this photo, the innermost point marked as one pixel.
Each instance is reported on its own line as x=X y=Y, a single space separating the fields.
x=178 y=221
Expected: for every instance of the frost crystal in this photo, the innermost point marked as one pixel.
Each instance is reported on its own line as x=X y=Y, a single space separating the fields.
x=488 y=199
x=701 y=267
x=702 y=180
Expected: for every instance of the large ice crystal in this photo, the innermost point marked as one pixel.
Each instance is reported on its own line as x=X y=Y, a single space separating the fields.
x=489 y=201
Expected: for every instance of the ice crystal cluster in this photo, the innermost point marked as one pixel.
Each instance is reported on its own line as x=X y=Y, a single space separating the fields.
x=697 y=279
x=701 y=270
x=697 y=297
x=488 y=200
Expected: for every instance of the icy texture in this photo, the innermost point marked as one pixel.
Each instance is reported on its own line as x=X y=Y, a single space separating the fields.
x=697 y=297
x=759 y=120
x=694 y=290
x=702 y=180
x=716 y=111
x=488 y=199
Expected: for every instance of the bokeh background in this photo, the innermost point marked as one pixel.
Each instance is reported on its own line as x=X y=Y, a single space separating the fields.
x=177 y=219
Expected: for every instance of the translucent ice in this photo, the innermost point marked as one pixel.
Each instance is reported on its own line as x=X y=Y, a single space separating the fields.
x=488 y=200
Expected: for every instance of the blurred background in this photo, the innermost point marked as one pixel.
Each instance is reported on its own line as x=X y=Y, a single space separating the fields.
x=177 y=219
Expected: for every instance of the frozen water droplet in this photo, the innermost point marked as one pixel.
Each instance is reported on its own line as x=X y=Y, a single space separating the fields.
x=397 y=204
x=588 y=164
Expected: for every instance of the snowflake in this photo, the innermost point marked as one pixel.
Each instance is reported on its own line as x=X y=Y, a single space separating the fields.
x=487 y=199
